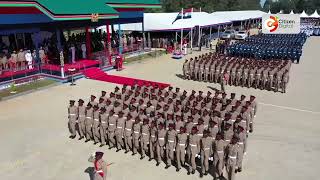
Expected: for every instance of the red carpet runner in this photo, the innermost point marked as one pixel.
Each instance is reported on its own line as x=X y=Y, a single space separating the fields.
x=98 y=74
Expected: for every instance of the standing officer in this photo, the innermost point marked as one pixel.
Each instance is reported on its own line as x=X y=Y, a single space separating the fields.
x=161 y=134
x=231 y=154
x=285 y=81
x=89 y=122
x=193 y=149
x=81 y=119
x=100 y=166
x=92 y=100
x=145 y=137
x=185 y=69
x=206 y=152
x=182 y=138
x=72 y=116
x=103 y=126
x=120 y=130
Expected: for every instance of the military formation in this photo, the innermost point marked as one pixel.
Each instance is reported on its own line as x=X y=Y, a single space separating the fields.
x=169 y=126
x=269 y=47
x=234 y=71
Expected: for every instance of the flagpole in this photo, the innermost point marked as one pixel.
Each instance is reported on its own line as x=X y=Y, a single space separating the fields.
x=191 y=36
x=181 y=38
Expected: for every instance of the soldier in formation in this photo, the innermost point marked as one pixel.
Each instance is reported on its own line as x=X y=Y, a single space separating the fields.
x=272 y=75
x=169 y=126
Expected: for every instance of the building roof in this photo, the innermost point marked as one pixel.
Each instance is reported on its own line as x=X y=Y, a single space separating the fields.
x=134 y=3
x=67 y=9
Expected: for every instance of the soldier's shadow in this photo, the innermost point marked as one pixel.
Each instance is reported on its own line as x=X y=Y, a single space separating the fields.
x=90 y=171
x=180 y=76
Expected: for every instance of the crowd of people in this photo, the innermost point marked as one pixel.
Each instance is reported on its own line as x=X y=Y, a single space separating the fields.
x=169 y=125
x=235 y=71
x=270 y=46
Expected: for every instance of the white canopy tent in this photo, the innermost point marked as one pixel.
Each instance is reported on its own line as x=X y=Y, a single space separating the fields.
x=239 y=15
x=304 y=14
x=291 y=12
x=166 y=21
x=269 y=12
x=315 y=15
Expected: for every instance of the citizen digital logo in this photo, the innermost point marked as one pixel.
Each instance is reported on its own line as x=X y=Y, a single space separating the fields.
x=281 y=24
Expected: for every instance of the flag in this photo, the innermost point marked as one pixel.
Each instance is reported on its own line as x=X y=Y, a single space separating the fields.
x=184 y=14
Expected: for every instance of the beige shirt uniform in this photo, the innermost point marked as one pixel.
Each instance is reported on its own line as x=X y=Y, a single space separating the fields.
x=161 y=142
x=180 y=149
x=72 y=115
x=219 y=150
x=145 y=136
x=95 y=127
x=206 y=152
x=193 y=150
x=153 y=141
x=232 y=153
x=81 y=120
x=136 y=137
x=111 y=129
x=119 y=132
x=89 y=123
x=171 y=145
x=104 y=127
x=128 y=134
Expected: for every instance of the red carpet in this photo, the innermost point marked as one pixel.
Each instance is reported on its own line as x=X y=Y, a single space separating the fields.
x=16 y=73
x=98 y=74
x=78 y=65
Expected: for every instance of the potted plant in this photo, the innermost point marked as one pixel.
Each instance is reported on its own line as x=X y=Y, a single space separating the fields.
x=13 y=88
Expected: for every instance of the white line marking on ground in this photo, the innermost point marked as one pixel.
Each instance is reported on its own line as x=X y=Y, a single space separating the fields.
x=290 y=108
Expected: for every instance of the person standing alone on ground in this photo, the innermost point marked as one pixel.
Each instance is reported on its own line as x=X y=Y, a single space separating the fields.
x=224 y=79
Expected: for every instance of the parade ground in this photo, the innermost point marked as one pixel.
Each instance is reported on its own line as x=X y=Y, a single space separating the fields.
x=285 y=143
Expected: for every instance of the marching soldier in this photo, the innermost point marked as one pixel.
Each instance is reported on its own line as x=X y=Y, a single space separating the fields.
x=285 y=81
x=193 y=150
x=92 y=100
x=96 y=123
x=103 y=126
x=232 y=151
x=171 y=144
x=219 y=149
x=161 y=134
x=182 y=138
x=242 y=138
x=128 y=132
x=72 y=116
x=100 y=166
x=206 y=152
x=153 y=139
x=145 y=137
x=111 y=128
x=81 y=118
x=119 y=132
x=89 y=122
x=136 y=136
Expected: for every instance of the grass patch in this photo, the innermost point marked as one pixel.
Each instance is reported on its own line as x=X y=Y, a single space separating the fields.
x=152 y=54
x=26 y=87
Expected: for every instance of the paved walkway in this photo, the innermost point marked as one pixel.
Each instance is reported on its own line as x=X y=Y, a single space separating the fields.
x=285 y=144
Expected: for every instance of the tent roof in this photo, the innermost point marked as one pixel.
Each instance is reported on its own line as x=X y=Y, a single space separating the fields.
x=291 y=12
x=304 y=14
x=315 y=14
x=134 y=3
x=67 y=9
x=166 y=21
x=269 y=12
x=239 y=15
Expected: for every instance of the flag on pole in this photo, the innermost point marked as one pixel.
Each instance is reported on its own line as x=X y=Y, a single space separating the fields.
x=185 y=14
